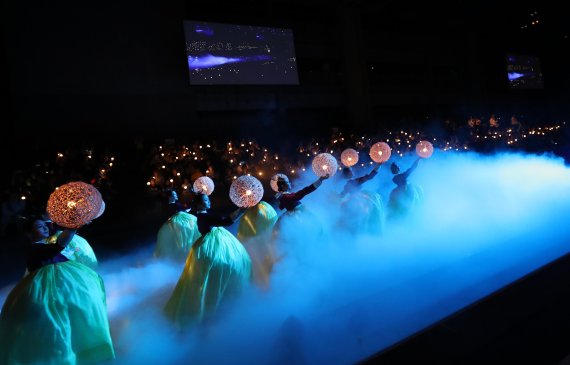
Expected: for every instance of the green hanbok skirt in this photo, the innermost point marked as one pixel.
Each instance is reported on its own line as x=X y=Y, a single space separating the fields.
x=56 y=315
x=217 y=268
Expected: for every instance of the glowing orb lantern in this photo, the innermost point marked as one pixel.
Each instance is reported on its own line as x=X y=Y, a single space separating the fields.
x=246 y=191
x=349 y=157
x=74 y=204
x=324 y=164
x=274 y=179
x=380 y=152
x=424 y=149
x=203 y=185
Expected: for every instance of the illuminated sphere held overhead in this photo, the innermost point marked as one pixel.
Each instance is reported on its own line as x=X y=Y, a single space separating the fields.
x=74 y=204
x=380 y=152
x=203 y=185
x=246 y=191
x=424 y=149
x=324 y=164
x=349 y=157
x=273 y=181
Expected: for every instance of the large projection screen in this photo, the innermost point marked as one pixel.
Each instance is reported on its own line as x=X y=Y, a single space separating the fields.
x=225 y=54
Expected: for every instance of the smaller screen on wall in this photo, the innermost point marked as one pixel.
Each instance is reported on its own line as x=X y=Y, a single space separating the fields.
x=524 y=72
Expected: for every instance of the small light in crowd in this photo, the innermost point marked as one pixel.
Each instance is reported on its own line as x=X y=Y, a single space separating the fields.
x=110 y=164
x=260 y=173
x=163 y=166
x=185 y=187
x=89 y=156
x=148 y=183
x=177 y=174
x=102 y=171
x=23 y=197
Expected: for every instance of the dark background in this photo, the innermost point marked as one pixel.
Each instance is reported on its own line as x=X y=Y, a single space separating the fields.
x=74 y=72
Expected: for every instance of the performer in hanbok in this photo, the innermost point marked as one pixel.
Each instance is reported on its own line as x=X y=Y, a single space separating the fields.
x=298 y=224
x=57 y=313
x=361 y=210
x=254 y=233
x=405 y=197
x=354 y=184
x=291 y=201
x=217 y=267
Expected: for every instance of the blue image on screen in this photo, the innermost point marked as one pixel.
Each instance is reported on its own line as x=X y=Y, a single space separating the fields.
x=523 y=72
x=224 y=54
